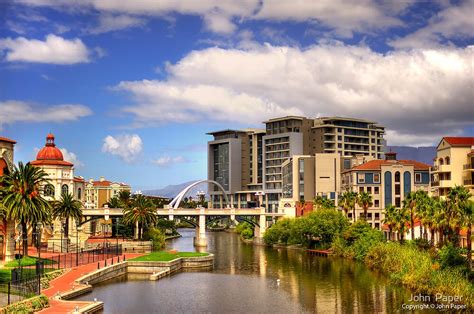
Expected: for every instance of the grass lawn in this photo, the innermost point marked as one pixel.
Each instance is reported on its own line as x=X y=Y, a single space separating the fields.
x=28 y=261
x=163 y=256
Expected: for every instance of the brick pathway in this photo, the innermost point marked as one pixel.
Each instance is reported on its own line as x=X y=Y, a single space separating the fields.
x=66 y=282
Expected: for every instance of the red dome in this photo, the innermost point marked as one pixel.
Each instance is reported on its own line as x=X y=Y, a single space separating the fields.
x=50 y=151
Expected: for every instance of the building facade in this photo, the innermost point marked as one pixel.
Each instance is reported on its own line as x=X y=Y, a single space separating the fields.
x=7 y=149
x=305 y=177
x=98 y=193
x=453 y=165
x=388 y=181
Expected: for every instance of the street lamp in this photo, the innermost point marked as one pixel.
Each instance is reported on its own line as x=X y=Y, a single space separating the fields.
x=78 y=228
x=63 y=226
x=39 y=225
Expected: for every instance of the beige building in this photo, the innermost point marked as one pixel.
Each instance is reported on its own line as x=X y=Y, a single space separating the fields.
x=305 y=177
x=97 y=193
x=453 y=165
x=387 y=180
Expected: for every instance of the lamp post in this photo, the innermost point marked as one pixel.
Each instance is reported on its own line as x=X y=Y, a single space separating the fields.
x=77 y=242
x=63 y=225
x=38 y=239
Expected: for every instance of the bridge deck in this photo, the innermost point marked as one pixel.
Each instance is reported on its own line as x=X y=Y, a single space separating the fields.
x=185 y=212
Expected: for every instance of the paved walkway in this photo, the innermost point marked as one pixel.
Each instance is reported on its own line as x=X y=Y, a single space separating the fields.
x=66 y=282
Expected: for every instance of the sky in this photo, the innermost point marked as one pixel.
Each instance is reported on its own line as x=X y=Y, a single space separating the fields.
x=130 y=88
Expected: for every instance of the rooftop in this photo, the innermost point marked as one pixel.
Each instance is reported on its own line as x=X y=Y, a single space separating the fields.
x=459 y=141
x=5 y=139
x=285 y=118
x=378 y=163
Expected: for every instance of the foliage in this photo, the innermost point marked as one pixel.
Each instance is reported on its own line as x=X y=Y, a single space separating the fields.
x=347 y=202
x=319 y=227
x=67 y=207
x=324 y=203
x=31 y=305
x=407 y=265
x=450 y=256
x=157 y=237
x=163 y=256
x=245 y=230
x=364 y=200
x=22 y=199
x=141 y=212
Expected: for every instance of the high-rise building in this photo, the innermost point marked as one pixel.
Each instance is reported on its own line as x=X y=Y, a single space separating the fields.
x=453 y=165
x=248 y=163
x=348 y=137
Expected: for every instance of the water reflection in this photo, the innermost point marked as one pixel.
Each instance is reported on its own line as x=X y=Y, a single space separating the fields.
x=307 y=284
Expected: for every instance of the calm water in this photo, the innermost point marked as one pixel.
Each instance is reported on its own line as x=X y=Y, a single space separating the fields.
x=244 y=280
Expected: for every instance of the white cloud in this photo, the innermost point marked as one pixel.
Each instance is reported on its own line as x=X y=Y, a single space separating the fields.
x=71 y=157
x=12 y=111
x=110 y=22
x=423 y=92
x=127 y=146
x=167 y=161
x=453 y=22
x=221 y=16
x=54 y=50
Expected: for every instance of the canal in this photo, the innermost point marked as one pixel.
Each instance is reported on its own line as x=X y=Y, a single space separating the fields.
x=251 y=279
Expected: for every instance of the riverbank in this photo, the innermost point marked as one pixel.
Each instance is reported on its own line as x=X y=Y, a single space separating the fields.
x=411 y=264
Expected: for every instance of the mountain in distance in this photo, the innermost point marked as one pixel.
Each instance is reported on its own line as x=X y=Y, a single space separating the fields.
x=170 y=191
x=423 y=154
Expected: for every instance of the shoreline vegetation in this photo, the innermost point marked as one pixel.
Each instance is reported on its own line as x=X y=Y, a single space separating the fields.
x=416 y=264
x=166 y=256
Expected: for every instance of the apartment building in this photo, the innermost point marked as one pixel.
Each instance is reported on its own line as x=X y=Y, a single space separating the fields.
x=305 y=177
x=348 y=137
x=453 y=165
x=99 y=192
x=235 y=162
x=388 y=180
x=249 y=162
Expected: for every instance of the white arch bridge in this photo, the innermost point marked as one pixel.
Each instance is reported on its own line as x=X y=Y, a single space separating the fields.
x=255 y=216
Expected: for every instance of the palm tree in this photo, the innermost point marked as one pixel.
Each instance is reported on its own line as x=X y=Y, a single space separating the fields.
x=125 y=197
x=348 y=201
x=409 y=204
x=439 y=217
x=141 y=213
x=402 y=216
x=390 y=219
x=23 y=200
x=324 y=203
x=114 y=202
x=422 y=202
x=67 y=207
x=467 y=220
x=457 y=197
x=364 y=200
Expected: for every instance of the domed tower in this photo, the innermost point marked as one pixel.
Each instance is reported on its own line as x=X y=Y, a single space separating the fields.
x=60 y=172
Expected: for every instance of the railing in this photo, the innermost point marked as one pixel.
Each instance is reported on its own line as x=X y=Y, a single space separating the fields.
x=467 y=182
x=15 y=291
x=468 y=167
x=434 y=183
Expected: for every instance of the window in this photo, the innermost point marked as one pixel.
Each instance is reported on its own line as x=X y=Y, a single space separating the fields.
x=369 y=189
x=49 y=190
x=397 y=202
x=418 y=177
x=361 y=177
x=376 y=190
x=377 y=225
x=377 y=178
x=79 y=193
x=64 y=189
x=397 y=176
x=339 y=138
x=361 y=189
x=447 y=160
x=349 y=215
x=441 y=161
x=397 y=189
x=377 y=216
x=376 y=203
x=369 y=216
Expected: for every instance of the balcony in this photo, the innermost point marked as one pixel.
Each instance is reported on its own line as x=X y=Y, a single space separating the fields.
x=468 y=182
x=442 y=168
x=442 y=183
x=468 y=167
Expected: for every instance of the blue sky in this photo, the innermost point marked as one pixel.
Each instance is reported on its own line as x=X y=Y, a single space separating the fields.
x=130 y=88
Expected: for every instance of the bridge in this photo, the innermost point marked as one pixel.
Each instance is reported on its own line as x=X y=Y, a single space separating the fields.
x=201 y=214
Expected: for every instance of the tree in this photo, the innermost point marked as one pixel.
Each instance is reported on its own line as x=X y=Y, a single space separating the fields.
x=115 y=202
x=348 y=201
x=390 y=219
x=467 y=220
x=23 y=201
x=409 y=204
x=324 y=203
x=457 y=199
x=67 y=207
x=364 y=200
x=141 y=212
x=402 y=217
x=422 y=202
x=439 y=217
x=125 y=197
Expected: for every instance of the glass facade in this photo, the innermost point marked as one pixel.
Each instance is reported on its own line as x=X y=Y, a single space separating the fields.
x=221 y=165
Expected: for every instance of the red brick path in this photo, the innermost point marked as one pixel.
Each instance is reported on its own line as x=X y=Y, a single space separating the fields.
x=65 y=283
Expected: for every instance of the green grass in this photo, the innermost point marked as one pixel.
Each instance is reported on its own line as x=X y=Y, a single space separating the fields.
x=28 y=261
x=166 y=256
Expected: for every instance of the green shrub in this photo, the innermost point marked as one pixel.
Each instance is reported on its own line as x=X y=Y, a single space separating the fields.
x=247 y=234
x=449 y=256
x=31 y=305
x=157 y=237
